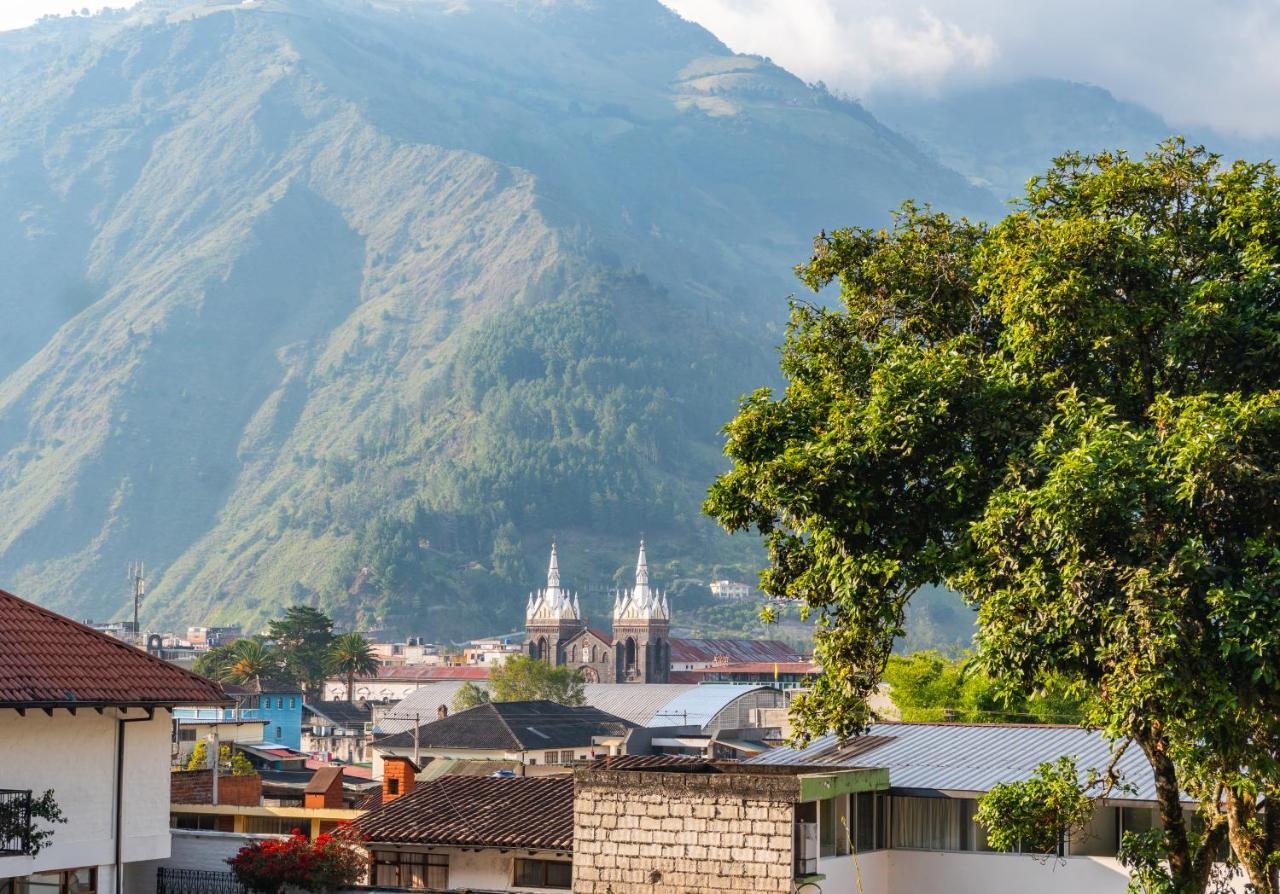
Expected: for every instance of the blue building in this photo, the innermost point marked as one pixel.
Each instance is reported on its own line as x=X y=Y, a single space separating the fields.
x=279 y=705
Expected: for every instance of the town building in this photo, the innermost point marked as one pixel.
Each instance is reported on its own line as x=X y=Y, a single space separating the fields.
x=528 y=733
x=470 y=833
x=728 y=589
x=87 y=717
x=710 y=707
x=337 y=730
x=209 y=637
x=782 y=674
x=393 y=683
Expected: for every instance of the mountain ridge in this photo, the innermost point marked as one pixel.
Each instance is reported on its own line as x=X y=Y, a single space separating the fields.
x=358 y=304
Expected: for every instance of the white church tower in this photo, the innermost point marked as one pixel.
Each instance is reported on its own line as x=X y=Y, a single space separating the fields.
x=642 y=630
x=551 y=617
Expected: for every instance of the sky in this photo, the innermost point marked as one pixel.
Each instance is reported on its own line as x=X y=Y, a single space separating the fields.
x=1196 y=62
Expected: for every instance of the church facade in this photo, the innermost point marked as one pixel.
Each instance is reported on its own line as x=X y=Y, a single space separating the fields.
x=637 y=651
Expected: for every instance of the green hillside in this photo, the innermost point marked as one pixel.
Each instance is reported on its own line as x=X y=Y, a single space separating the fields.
x=361 y=303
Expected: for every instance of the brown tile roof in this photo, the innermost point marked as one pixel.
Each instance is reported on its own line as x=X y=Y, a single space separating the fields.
x=322 y=780
x=478 y=811
x=48 y=661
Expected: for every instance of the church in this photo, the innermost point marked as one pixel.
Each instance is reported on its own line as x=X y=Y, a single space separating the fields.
x=640 y=648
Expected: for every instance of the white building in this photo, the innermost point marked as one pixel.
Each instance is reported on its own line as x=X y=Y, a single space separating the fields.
x=730 y=589
x=87 y=717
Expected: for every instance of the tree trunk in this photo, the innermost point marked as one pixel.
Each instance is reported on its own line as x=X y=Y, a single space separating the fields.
x=351 y=684
x=1251 y=829
x=1182 y=866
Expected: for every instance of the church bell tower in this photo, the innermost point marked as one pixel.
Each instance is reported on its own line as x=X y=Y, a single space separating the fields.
x=551 y=618
x=642 y=631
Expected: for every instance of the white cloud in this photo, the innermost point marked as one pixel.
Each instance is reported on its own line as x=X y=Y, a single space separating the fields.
x=856 y=50
x=1196 y=63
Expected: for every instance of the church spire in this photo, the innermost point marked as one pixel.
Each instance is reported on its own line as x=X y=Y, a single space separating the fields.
x=642 y=568
x=642 y=602
x=553 y=570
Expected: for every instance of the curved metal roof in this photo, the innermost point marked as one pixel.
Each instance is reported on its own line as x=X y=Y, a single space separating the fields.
x=700 y=704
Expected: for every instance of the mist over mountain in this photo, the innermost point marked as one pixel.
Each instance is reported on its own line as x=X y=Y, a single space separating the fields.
x=361 y=303
x=1000 y=135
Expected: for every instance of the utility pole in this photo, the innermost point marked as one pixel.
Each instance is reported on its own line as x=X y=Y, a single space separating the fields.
x=137 y=576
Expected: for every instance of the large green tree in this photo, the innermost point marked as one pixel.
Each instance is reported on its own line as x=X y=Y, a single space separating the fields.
x=304 y=637
x=1071 y=417
x=521 y=678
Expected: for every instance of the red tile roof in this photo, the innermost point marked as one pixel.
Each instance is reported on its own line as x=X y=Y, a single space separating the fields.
x=478 y=811
x=736 y=650
x=48 y=661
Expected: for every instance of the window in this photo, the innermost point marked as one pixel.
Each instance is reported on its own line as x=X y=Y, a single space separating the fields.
x=551 y=757
x=279 y=733
x=833 y=822
x=934 y=824
x=400 y=869
x=869 y=821
x=293 y=702
x=72 y=881
x=206 y=822
x=544 y=873
x=566 y=757
x=186 y=734
x=393 y=786
x=279 y=703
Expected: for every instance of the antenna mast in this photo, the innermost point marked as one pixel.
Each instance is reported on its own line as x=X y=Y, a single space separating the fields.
x=137 y=577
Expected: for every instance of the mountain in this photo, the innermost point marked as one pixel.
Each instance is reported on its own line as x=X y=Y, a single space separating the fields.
x=1000 y=135
x=361 y=303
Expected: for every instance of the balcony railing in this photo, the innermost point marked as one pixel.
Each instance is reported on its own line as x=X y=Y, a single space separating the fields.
x=15 y=822
x=217 y=714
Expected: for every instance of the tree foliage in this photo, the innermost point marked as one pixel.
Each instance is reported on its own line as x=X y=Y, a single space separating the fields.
x=927 y=686
x=351 y=655
x=17 y=821
x=231 y=762
x=303 y=637
x=521 y=678
x=328 y=864
x=1036 y=816
x=1071 y=418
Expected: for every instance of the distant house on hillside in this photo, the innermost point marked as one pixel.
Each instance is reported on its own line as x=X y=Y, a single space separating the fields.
x=88 y=717
x=729 y=589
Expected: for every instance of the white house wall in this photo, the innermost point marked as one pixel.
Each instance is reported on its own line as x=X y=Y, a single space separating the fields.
x=76 y=757
x=894 y=871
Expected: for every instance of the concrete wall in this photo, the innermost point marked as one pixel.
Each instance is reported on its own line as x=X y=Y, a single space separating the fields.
x=75 y=755
x=674 y=833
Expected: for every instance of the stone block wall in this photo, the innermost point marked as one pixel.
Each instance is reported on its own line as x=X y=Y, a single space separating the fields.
x=682 y=833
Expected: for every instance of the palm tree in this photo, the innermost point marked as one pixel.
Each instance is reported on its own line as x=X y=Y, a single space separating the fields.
x=351 y=654
x=248 y=661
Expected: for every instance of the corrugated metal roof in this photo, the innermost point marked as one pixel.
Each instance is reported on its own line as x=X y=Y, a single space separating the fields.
x=736 y=650
x=424 y=702
x=700 y=704
x=637 y=702
x=968 y=757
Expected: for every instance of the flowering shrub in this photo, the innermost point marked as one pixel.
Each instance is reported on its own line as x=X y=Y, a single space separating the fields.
x=326 y=864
